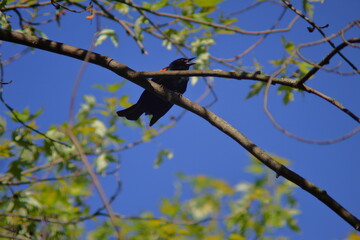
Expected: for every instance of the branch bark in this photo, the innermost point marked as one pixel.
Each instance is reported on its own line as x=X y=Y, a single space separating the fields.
x=140 y=79
x=326 y=60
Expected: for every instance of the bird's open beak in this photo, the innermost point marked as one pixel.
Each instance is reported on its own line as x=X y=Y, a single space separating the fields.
x=189 y=63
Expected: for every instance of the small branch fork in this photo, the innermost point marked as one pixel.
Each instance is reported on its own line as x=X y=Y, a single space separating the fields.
x=139 y=78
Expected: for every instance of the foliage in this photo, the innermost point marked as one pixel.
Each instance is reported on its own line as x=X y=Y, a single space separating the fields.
x=218 y=210
x=29 y=198
x=45 y=182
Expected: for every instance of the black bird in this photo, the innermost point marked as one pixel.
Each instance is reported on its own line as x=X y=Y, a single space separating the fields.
x=149 y=103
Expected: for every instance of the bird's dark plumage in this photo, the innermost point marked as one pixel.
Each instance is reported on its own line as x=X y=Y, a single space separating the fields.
x=149 y=103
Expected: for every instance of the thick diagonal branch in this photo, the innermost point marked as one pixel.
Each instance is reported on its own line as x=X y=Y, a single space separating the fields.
x=139 y=79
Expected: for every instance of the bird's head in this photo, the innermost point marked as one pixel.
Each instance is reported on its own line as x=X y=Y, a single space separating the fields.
x=180 y=64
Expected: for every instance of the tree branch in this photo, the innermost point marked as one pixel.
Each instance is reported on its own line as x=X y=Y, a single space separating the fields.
x=139 y=79
x=214 y=25
x=315 y=26
x=326 y=60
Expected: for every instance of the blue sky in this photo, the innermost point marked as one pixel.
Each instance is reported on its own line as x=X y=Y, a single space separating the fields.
x=43 y=79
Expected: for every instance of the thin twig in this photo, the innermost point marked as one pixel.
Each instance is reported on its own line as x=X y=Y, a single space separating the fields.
x=13 y=237
x=95 y=180
x=42 y=180
x=79 y=148
x=257 y=43
x=289 y=5
x=332 y=101
x=109 y=15
x=58 y=5
x=32 y=5
x=15 y=57
x=78 y=79
x=214 y=25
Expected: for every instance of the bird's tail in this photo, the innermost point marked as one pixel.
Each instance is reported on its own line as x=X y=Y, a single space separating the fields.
x=131 y=113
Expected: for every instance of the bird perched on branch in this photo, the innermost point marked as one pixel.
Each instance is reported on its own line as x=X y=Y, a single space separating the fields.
x=149 y=103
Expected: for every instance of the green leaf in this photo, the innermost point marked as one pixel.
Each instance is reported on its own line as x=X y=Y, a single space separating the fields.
x=295 y=227
x=308 y=8
x=122 y=8
x=98 y=86
x=207 y=3
x=257 y=65
x=194 y=80
x=157 y=5
x=124 y=101
x=26 y=116
x=281 y=160
x=288 y=94
x=101 y=163
x=3 y=3
x=116 y=139
x=169 y=208
x=255 y=89
x=89 y=99
x=2 y=126
x=304 y=68
x=138 y=27
x=100 y=128
x=5 y=150
x=228 y=21
x=255 y=169
x=104 y=34
x=15 y=169
x=101 y=38
x=4 y=23
x=235 y=236
x=165 y=153
x=289 y=46
x=114 y=87
x=149 y=134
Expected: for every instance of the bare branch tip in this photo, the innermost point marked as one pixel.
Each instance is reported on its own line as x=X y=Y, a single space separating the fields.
x=1 y=82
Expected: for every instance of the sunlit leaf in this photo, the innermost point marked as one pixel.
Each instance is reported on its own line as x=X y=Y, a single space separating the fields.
x=207 y=3
x=89 y=99
x=169 y=208
x=255 y=89
x=353 y=236
x=308 y=8
x=124 y=101
x=2 y=126
x=148 y=134
x=104 y=34
x=288 y=94
x=165 y=153
x=156 y=5
x=100 y=128
x=235 y=236
x=5 y=150
x=288 y=45
x=101 y=162
x=228 y=21
x=25 y=115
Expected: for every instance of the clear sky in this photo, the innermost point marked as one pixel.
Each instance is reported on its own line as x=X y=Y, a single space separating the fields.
x=43 y=79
